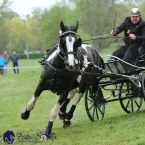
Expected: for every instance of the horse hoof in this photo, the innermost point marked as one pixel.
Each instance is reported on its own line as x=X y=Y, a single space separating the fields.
x=44 y=137
x=61 y=116
x=25 y=114
x=66 y=124
x=48 y=137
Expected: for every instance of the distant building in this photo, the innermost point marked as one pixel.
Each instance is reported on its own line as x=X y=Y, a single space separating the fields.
x=32 y=51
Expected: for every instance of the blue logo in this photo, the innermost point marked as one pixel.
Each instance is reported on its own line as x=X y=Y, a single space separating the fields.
x=8 y=137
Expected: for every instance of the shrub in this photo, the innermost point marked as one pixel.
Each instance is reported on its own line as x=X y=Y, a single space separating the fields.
x=31 y=56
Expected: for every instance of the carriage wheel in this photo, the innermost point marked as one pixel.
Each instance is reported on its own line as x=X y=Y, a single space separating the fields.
x=94 y=104
x=129 y=97
x=143 y=85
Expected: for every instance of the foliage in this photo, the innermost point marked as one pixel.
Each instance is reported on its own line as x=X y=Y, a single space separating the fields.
x=37 y=13
x=50 y=26
x=142 y=7
x=41 y=30
x=95 y=19
x=34 y=34
x=5 y=14
x=32 y=56
x=16 y=34
x=137 y=3
x=50 y=23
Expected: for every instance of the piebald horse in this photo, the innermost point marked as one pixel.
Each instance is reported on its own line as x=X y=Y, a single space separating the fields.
x=60 y=74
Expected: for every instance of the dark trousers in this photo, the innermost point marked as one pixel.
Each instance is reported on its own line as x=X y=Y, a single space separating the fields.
x=127 y=53
x=16 y=67
x=1 y=70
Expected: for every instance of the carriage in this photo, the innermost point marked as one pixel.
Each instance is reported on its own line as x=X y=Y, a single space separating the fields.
x=121 y=82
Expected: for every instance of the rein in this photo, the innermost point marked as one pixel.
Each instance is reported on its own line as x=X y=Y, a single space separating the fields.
x=64 y=71
x=60 y=72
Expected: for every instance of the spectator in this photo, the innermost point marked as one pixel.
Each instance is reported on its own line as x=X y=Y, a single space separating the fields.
x=7 y=59
x=2 y=63
x=15 y=61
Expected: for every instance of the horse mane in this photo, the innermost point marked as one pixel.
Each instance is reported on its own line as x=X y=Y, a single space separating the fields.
x=47 y=53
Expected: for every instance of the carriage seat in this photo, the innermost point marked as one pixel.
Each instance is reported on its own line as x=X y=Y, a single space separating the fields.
x=141 y=50
x=140 y=61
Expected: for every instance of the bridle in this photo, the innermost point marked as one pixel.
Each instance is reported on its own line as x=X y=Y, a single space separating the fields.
x=63 y=54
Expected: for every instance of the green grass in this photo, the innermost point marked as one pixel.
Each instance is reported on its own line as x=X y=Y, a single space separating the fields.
x=117 y=127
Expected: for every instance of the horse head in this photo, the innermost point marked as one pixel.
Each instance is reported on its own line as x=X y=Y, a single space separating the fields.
x=69 y=43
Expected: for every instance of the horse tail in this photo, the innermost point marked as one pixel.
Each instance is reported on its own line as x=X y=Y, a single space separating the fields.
x=102 y=63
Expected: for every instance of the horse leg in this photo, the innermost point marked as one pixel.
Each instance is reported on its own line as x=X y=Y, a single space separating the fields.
x=68 y=117
x=62 y=112
x=53 y=114
x=78 y=97
x=30 y=106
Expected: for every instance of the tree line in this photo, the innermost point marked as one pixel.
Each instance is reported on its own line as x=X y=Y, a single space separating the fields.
x=40 y=30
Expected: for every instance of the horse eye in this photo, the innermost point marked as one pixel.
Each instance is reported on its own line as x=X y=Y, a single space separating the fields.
x=63 y=41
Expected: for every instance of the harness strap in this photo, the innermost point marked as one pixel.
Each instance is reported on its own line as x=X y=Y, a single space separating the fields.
x=59 y=72
x=68 y=32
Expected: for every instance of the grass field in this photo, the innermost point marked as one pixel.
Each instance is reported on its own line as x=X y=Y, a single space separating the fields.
x=117 y=127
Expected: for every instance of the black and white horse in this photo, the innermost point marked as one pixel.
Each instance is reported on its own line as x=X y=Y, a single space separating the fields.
x=59 y=74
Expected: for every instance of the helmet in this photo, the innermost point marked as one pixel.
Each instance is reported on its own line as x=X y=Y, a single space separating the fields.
x=135 y=12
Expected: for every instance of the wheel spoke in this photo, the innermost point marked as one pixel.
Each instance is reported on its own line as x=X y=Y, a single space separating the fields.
x=93 y=113
x=97 y=113
x=89 y=99
x=100 y=110
x=132 y=105
x=93 y=104
x=129 y=97
x=127 y=104
x=136 y=103
x=90 y=107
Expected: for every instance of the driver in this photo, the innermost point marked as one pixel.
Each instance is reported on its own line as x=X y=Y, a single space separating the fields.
x=134 y=34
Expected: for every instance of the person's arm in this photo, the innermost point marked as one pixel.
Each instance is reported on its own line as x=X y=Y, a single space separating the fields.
x=18 y=58
x=118 y=30
x=142 y=37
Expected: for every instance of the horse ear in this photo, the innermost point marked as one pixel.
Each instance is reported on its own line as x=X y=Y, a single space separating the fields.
x=62 y=27
x=76 y=26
